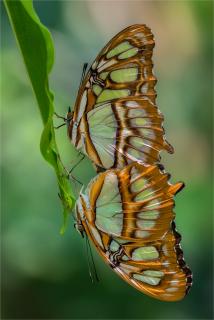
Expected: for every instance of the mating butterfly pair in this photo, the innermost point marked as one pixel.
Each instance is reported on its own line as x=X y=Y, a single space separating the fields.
x=127 y=210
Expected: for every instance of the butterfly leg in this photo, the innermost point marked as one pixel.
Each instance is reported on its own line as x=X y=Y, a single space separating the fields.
x=95 y=79
x=61 y=125
x=60 y=117
x=82 y=158
x=69 y=172
x=75 y=179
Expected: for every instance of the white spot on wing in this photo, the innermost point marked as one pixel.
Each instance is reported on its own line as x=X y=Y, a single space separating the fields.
x=132 y=104
x=82 y=106
x=96 y=235
x=105 y=64
x=144 y=88
x=141 y=234
x=171 y=289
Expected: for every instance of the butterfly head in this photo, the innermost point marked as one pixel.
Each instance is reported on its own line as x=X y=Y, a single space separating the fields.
x=69 y=117
x=79 y=227
x=71 y=124
x=74 y=129
x=79 y=216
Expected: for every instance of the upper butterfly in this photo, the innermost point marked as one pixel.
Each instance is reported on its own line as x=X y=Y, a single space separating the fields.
x=115 y=119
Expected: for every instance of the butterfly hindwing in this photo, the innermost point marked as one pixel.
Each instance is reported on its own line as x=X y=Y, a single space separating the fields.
x=128 y=214
x=116 y=120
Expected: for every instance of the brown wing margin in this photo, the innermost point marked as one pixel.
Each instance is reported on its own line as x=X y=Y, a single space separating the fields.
x=180 y=258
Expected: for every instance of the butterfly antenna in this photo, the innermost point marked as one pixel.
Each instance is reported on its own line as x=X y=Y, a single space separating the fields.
x=88 y=259
x=93 y=263
x=93 y=275
x=69 y=175
x=85 y=66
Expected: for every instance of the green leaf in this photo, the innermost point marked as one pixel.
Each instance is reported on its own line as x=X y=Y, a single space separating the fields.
x=36 y=45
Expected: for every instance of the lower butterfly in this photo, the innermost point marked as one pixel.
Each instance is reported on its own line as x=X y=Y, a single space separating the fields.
x=128 y=215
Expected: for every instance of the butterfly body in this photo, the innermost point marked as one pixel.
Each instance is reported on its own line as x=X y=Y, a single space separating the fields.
x=128 y=215
x=116 y=120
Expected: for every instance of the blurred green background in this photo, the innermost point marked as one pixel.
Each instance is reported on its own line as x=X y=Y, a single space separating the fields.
x=45 y=275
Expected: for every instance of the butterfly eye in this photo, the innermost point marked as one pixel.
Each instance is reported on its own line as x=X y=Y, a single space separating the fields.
x=79 y=227
x=69 y=116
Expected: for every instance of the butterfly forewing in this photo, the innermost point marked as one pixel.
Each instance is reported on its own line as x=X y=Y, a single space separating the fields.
x=116 y=120
x=128 y=214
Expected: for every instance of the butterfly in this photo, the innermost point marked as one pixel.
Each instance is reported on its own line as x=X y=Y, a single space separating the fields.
x=115 y=119
x=128 y=215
